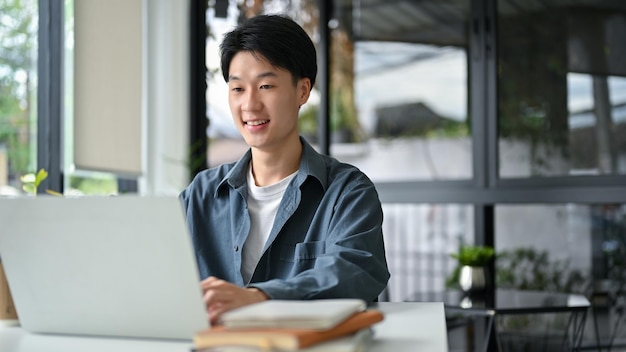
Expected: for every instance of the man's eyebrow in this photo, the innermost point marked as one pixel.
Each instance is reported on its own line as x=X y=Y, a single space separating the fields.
x=261 y=75
x=267 y=74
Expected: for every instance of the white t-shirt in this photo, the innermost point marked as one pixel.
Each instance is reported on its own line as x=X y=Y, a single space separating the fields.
x=263 y=205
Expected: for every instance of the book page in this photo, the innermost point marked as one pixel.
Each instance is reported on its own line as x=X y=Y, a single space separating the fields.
x=313 y=314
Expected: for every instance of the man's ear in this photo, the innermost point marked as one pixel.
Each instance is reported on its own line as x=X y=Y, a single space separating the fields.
x=304 y=90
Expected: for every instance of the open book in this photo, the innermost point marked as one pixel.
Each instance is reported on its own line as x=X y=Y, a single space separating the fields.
x=313 y=314
x=288 y=339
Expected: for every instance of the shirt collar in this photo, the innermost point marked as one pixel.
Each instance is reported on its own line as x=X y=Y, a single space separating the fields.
x=311 y=164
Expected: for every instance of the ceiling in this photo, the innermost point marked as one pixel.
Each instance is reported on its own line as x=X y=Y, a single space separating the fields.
x=444 y=22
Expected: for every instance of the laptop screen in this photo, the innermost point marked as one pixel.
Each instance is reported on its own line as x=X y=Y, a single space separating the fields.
x=108 y=266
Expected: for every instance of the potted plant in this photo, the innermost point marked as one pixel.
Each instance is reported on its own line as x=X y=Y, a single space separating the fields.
x=471 y=271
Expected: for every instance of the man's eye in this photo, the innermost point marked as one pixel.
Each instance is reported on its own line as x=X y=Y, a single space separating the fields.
x=237 y=89
x=266 y=86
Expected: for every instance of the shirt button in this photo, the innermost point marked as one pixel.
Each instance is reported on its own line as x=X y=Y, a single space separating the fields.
x=236 y=248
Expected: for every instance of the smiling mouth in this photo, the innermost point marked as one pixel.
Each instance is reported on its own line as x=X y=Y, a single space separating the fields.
x=256 y=122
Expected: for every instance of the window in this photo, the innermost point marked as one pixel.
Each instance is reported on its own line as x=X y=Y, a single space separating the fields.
x=418 y=241
x=18 y=87
x=561 y=89
x=399 y=89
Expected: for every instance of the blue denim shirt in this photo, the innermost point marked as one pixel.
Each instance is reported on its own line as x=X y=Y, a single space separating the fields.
x=326 y=241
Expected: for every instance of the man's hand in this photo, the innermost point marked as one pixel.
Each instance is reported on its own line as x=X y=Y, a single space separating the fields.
x=221 y=296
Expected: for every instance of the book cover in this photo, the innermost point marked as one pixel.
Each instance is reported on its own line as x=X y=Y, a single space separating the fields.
x=289 y=339
x=313 y=314
x=355 y=342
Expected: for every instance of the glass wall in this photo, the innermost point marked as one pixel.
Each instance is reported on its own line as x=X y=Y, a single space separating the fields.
x=545 y=247
x=418 y=241
x=561 y=112
x=561 y=88
x=18 y=93
x=567 y=248
x=399 y=89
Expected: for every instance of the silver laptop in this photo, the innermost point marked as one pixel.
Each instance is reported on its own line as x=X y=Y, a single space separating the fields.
x=105 y=266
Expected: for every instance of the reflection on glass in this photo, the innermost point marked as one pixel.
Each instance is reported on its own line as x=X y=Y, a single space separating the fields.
x=544 y=247
x=570 y=248
x=561 y=88
x=399 y=107
x=597 y=131
x=18 y=85
x=418 y=241
x=567 y=248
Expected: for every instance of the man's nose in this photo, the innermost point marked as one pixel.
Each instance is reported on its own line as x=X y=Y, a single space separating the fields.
x=251 y=100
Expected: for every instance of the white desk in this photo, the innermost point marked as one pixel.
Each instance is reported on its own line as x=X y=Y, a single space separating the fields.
x=411 y=326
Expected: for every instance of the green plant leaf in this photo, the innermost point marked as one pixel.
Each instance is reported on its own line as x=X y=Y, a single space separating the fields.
x=54 y=193
x=29 y=188
x=30 y=182
x=42 y=174
x=27 y=178
x=474 y=255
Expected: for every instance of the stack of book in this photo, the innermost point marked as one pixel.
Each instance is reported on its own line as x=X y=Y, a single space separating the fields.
x=278 y=325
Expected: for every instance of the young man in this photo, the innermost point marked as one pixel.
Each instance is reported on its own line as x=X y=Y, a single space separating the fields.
x=283 y=222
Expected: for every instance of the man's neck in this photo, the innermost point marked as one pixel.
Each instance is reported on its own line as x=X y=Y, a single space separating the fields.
x=269 y=167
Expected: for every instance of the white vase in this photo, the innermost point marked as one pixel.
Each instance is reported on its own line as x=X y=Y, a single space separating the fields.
x=473 y=278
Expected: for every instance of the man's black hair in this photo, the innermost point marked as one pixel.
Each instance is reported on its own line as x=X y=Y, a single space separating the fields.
x=278 y=39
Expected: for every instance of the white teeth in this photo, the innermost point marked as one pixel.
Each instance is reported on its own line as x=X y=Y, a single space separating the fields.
x=257 y=122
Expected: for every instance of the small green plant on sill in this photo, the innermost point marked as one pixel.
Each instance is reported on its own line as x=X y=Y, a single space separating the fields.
x=31 y=182
x=474 y=255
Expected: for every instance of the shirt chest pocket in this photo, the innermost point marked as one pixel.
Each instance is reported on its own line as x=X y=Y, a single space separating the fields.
x=302 y=251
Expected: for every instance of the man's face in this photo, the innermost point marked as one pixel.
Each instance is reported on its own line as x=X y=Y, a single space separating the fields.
x=264 y=101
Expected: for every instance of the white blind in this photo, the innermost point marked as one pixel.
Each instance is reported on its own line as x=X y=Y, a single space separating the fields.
x=108 y=85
